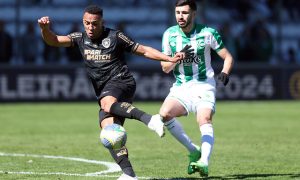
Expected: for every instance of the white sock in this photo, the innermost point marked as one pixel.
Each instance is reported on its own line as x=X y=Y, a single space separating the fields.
x=177 y=131
x=207 y=136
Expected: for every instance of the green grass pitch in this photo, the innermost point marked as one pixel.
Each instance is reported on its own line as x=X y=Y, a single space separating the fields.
x=253 y=140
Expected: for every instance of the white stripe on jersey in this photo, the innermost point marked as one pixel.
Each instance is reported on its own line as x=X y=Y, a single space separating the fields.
x=179 y=47
x=193 y=41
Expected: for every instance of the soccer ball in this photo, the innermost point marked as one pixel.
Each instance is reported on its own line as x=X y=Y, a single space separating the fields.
x=113 y=136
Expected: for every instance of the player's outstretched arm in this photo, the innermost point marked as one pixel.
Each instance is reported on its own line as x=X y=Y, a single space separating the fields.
x=154 y=54
x=187 y=52
x=50 y=37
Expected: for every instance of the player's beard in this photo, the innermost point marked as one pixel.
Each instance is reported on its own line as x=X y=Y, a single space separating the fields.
x=188 y=22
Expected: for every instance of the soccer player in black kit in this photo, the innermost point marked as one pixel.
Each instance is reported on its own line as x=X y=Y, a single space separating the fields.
x=102 y=49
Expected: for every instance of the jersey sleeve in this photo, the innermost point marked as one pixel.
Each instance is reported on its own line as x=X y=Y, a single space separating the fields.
x=166 y=49
x=75 y=37
x=215 y=40
x=126 y=42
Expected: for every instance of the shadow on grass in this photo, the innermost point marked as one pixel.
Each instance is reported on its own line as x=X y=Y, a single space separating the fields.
x=241 y=176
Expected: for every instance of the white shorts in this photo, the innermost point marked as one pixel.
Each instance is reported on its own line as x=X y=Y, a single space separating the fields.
x=194 y=96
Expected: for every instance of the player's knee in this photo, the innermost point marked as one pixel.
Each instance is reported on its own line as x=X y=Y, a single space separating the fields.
x=204 y=120
x=106 y=103
x=165 y=114
x=105 y=106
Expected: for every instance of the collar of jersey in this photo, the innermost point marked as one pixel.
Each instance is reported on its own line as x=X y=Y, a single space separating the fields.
x=187 y=34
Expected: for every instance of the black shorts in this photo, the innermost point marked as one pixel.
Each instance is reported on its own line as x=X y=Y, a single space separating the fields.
x=122 y=89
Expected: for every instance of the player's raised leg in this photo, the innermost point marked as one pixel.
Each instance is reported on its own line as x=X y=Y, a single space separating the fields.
x=127 y=110
x=110 y=104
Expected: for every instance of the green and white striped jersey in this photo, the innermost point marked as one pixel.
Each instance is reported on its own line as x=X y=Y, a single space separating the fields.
x=198 y=68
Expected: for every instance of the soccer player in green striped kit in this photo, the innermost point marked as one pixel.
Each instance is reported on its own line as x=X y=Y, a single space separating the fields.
x=194 y=88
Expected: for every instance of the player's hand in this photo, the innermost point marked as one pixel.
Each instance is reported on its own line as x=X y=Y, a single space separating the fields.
x=185 y=53
x=44 y=22
x=224 y=78
x=177 y=57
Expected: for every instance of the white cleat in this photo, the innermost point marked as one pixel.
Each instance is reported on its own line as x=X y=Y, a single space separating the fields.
x=157 y=125
x=126 y=177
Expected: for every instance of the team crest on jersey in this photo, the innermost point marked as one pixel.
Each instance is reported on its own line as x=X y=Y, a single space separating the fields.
x=106 y=42
x=200 y=44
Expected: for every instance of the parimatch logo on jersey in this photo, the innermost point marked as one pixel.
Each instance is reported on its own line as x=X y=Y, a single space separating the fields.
x=95 y=55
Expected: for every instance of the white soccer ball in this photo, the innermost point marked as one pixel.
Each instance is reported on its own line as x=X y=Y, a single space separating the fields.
x=113 y=136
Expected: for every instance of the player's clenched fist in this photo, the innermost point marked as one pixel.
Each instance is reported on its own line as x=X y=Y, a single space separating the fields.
x=44 y=22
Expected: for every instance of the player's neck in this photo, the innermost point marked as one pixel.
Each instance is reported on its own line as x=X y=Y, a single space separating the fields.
x=188 y=29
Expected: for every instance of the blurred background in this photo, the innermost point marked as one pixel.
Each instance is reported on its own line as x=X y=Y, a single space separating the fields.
x=262 y=35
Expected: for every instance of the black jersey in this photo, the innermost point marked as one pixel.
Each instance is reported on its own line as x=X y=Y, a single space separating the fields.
x=103 y=57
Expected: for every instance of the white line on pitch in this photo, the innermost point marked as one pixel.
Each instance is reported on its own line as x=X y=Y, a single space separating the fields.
x=112 y=167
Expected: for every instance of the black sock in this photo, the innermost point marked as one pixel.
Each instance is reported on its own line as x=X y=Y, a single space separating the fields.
x=121 y=158
x=127 y=110
x=129 y=171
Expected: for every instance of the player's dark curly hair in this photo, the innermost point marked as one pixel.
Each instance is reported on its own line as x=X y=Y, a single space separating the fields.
x=191 y=3
x=93 y=9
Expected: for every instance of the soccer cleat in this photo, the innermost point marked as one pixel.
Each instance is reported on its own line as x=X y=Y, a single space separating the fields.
x=157 y=125
x=193 y=157
x=126 y=177
x=201 y=168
